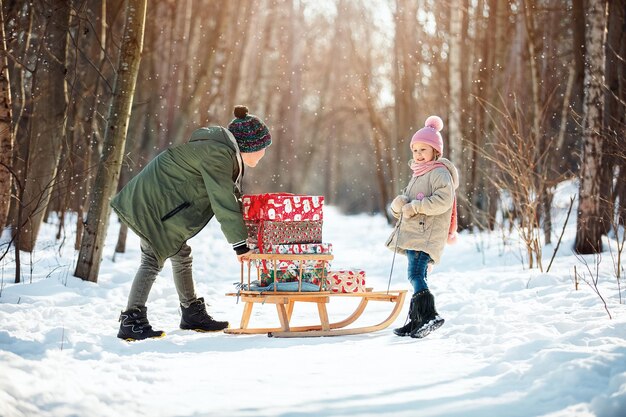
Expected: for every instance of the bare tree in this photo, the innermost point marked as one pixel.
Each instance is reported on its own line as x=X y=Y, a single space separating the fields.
x=615 y=114
x=487 y=88
x=200 y=85
x=290 y=91
x=590 y=225
x=49 y=95
x=405 y=70
x=87 y=135
x=578 y=29
x=455 y=77
x=515 y=175
x=6 y=127
x=240 y=36
x=455 y=106
x=90 y=255
x=381 y=135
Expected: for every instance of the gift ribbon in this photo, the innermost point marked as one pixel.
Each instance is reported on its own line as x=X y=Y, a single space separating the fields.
x=259 y=201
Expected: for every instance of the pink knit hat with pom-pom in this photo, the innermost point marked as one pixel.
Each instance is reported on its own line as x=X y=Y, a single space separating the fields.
x=429 y=134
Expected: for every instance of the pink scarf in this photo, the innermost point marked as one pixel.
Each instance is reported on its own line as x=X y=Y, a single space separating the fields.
x=423 y=168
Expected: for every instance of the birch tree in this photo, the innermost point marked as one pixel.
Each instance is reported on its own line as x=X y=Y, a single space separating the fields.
x=90 y=255
x=590 y=226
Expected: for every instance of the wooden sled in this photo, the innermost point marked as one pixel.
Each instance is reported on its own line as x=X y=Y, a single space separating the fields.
x=285 y=301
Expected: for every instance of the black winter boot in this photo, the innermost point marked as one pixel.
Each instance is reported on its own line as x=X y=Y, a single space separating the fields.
x=196 y=318
x=429 y=320
x=134 y=325
x=411 y=319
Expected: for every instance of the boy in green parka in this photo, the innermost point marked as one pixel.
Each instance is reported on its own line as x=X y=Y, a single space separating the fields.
x=172 y=199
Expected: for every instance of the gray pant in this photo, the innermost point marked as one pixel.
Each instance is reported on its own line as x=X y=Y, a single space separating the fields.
x=150 y=268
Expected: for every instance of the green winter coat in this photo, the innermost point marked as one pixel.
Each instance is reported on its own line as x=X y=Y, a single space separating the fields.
x=179 y=191
x=432 y=196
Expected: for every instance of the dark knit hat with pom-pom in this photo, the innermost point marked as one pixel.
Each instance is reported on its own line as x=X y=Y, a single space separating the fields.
x=250 y=132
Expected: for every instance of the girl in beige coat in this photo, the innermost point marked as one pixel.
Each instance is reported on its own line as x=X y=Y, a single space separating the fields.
x=426 y=213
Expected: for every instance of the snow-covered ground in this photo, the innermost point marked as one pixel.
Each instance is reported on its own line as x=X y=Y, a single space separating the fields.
x=516 y=342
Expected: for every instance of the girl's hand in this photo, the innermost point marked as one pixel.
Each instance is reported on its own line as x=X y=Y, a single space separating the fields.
x=398 y=203
x=408 y=211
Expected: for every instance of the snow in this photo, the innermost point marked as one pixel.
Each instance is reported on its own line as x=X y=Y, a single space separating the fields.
x=516 y=342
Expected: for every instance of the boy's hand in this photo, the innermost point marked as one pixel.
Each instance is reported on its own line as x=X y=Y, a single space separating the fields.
x=244 y=256
x=398 y=203
x=408 y=211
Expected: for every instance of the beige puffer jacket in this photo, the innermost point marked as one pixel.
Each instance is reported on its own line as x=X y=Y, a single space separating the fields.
x=432 y=196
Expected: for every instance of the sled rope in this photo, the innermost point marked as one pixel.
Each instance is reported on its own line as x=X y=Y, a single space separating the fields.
x=406 y=192
x=395 y=249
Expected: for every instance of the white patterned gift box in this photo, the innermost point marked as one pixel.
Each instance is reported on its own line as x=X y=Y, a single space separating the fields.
x=300 y=248
x=346 y=281
x=296 y=248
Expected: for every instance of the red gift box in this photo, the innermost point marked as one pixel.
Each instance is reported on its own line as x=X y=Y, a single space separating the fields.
x=352 y=280
x=282 y=207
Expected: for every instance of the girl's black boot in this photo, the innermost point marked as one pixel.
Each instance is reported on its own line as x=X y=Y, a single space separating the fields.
x=429 y=319
x=411 y=320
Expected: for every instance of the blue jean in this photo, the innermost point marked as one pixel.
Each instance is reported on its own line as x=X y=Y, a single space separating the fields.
x=418 y=269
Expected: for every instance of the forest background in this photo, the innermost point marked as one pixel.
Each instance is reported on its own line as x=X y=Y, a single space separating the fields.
x=532 y=92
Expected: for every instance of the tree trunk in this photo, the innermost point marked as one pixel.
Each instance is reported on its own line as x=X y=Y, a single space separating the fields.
x=578 y=31
x=120 y=246
x=134 y=165
x=382 y=152
x=25 y=20
x=620 y=192
x=456 y=82
x=289 y=111
x=201 y=85
x=89 y=139
x=615 y=110
x=590 y=225
x=529 y=21
x=49 y=94
x=90 y=255
x=241 y=36
x=455 y=111
x=406 y=65
x=329 y=82
x=483 y=125
x=501 y=13
x=537 y=138
x=6 y=128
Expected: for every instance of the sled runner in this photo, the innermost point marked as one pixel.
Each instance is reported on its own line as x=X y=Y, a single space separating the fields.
x=286 y=300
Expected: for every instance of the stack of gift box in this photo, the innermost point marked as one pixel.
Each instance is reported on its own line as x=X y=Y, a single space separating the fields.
x=292 y=224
